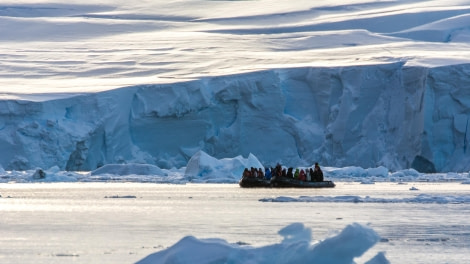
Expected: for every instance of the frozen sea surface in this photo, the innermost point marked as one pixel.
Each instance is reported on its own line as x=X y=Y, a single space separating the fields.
x=125 y=222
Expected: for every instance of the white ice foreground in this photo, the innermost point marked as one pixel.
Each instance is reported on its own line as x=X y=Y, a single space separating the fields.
x=296 y=247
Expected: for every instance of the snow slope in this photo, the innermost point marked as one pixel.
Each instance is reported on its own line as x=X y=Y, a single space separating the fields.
x=368 y=83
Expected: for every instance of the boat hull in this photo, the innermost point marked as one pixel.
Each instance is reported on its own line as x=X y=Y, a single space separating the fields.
x=293 y=183
x=248 y=182
x=283 y=182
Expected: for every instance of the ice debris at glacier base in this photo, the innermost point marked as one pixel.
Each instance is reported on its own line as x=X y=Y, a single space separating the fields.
x=203 y=168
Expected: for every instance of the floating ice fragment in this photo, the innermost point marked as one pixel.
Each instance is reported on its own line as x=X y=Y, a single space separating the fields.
x=121 y=196
x=128 y=169
x=295 y=232
x=422 y=198
x=352 y=242
x=39 y=174
x=378 y=259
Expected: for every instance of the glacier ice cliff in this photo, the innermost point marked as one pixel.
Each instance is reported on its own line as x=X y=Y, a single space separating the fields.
x=389 y=115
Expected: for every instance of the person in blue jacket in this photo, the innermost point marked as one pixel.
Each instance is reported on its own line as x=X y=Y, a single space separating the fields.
x=267 y=174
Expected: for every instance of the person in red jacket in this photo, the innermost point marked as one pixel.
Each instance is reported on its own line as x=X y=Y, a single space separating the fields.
x=302 y=175
x=246 y=173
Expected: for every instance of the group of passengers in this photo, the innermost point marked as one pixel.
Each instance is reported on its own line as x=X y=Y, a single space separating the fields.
x=314 y=175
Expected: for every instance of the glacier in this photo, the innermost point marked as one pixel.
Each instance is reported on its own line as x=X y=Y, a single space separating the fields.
x=390 y=114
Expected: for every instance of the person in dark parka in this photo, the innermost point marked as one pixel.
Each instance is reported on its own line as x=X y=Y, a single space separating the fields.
x=317 y=173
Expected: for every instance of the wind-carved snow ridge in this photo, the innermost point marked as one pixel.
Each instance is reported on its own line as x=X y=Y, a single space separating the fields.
x=388 y=115
x=353 y=241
